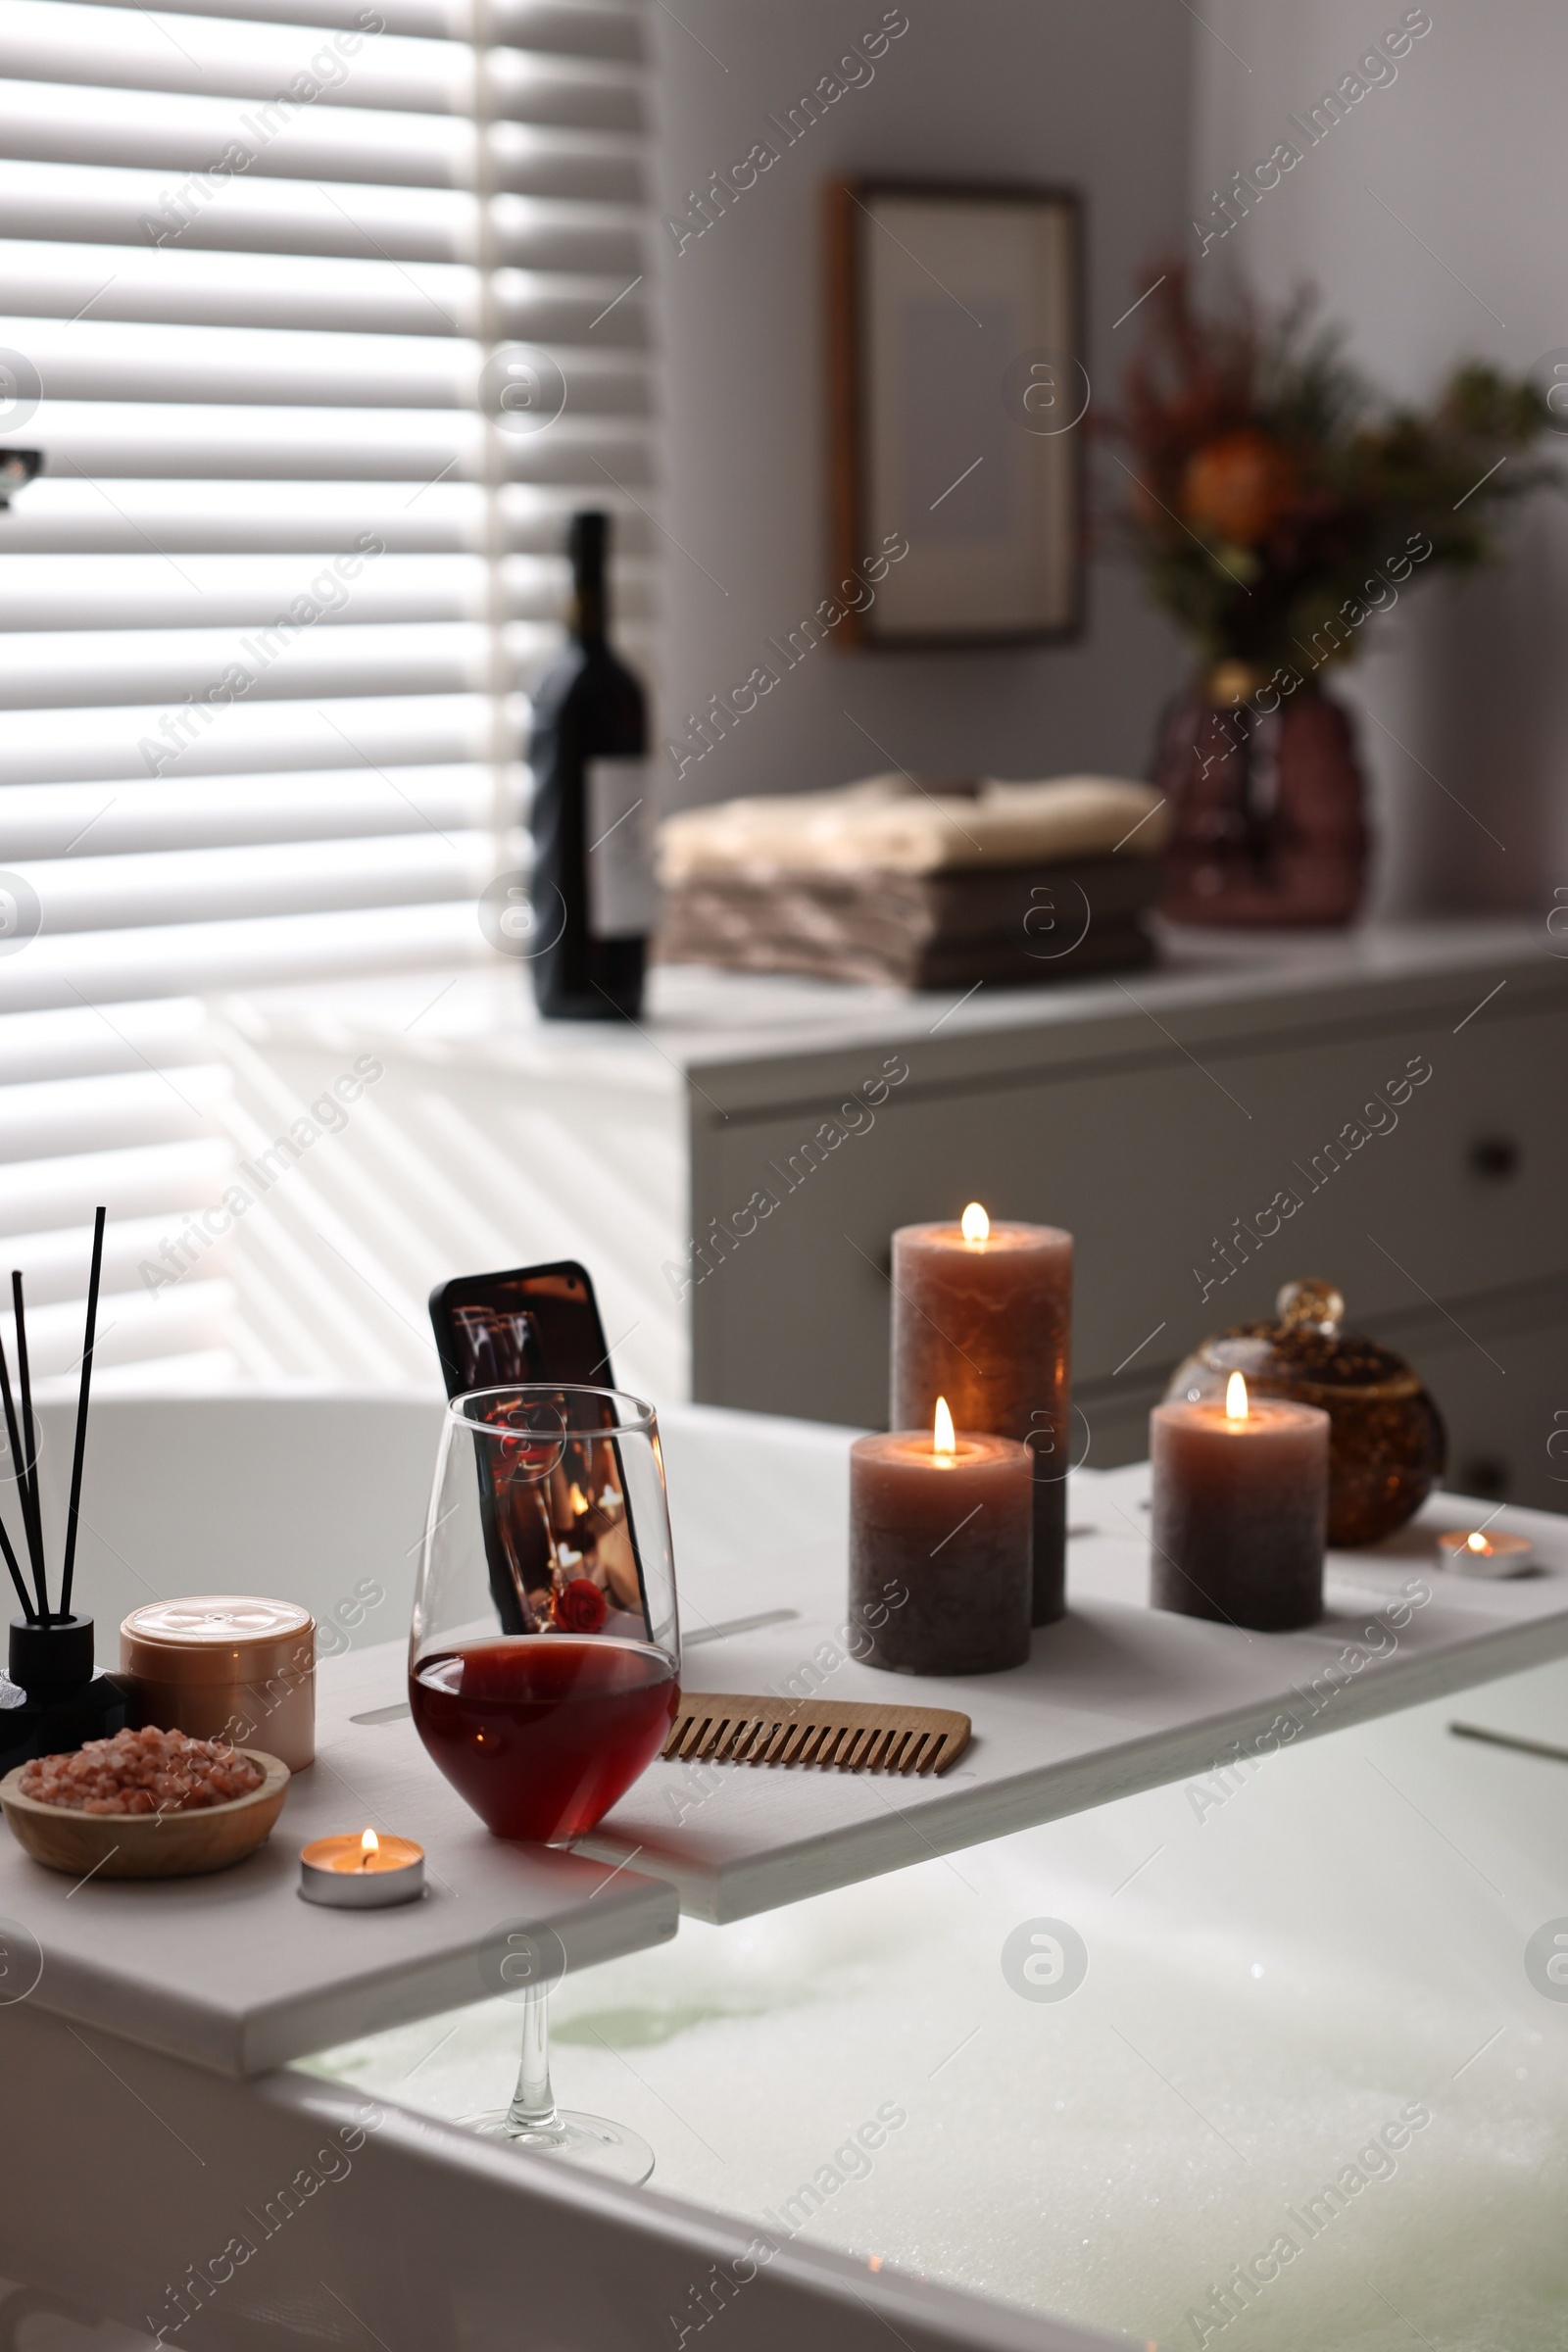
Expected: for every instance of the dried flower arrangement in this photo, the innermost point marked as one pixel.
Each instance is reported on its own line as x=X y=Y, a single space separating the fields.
x=1269 y=484
x=1276 y=503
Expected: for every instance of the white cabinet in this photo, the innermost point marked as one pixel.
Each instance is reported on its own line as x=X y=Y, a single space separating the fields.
x=1384 y=1108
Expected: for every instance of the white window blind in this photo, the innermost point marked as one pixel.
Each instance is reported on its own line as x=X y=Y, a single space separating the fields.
x=272 y=609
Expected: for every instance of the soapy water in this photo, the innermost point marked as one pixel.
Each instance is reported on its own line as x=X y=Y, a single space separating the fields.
x=1303 y=2095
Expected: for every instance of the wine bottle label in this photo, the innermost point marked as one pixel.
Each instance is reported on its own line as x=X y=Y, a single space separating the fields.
x=622 y=902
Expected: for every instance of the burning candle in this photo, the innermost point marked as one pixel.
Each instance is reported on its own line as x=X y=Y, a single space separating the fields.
x=366 y=1872
x=939 y=1549
x=1239 y=1511
x=1476 y=1553
x=982 y=1315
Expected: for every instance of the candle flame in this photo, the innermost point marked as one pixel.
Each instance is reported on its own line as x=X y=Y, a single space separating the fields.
x=579 y=1500
x=369 y=1847
x=1477 y=1543
x=975 y=1223
x=1236 y=1406
x=943 y=1440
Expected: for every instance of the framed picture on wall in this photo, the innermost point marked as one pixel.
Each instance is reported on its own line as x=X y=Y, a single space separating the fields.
x=957 y=396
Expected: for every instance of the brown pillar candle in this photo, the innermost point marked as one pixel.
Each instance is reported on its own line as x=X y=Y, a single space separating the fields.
x=1239 y=1511
x=982 y=1315
x=939 y=1551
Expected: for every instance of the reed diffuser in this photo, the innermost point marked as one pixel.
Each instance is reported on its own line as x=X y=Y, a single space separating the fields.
x=54 y=1700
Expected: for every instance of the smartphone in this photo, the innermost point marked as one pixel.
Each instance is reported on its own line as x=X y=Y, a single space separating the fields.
x=533 y=1323
x=541 y=1324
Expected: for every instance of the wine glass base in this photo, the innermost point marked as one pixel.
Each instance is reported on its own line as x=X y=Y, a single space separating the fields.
x=590 y=2142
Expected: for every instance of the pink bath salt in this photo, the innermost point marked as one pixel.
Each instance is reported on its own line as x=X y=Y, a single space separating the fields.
x=142 y=1772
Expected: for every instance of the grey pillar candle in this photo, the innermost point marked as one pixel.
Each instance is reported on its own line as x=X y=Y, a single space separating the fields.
x=943 y=1520
x=982 y=1315
x=1240 y=1510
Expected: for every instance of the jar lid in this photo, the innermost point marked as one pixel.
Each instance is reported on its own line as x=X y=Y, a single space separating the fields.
x=217 y=1637
x=1306 y=1354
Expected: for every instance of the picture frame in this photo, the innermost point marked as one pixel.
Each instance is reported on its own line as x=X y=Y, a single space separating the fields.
x=955 y=326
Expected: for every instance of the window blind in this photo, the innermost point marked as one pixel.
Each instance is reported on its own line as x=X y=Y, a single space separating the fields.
x=324 y=316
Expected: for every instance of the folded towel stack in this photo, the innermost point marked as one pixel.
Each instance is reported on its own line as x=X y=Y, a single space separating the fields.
x=922 y=886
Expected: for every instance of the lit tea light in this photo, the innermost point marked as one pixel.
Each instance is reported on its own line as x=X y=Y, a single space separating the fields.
x=1473 y=1552
x=366 y=1872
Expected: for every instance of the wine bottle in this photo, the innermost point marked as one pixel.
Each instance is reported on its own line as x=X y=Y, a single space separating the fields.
x=593 y=899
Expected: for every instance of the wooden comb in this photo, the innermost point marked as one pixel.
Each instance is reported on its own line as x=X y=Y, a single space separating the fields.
x=850 y=1735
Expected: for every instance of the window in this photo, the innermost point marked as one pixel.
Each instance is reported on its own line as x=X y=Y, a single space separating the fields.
x=274 y=605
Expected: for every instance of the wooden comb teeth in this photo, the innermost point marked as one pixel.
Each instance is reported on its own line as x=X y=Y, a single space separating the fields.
x=834 y=1735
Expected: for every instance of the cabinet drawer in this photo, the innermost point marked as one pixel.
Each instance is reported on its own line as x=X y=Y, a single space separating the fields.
x=1503 y=1389
x=1195 y=1188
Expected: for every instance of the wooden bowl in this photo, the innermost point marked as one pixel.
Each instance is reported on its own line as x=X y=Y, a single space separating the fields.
x=146 y=1845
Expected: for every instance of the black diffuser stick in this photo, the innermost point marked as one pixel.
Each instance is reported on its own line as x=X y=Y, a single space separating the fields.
x=81 y=1411
x=27 y=1609
x=10 y=1431
x=29 y=1432
x=19 y=1458
x=15 y=1444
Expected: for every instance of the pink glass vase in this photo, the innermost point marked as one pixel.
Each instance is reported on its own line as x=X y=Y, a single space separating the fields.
x=1267 y=799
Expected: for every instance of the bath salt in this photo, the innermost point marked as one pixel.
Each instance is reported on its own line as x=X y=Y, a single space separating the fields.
x=142 y=1772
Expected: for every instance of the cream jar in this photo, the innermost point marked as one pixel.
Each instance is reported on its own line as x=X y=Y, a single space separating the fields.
x=226 y=1666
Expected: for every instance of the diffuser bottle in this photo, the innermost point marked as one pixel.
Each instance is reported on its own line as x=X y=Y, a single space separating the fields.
x=55 y=1698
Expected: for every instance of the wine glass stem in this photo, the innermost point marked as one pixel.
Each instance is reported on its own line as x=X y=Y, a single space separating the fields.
x=533 y=2104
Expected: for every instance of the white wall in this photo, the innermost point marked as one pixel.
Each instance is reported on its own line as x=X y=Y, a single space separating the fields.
x=1467 y=149
x=1086 y=91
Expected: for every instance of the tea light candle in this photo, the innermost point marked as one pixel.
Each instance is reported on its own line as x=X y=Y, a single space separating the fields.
x=1239 y=1511
x=1472 y=1552
x=982 y=1315
x=366 y=1872
x=939 y=1549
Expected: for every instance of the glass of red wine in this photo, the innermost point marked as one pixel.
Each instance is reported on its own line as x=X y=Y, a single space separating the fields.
x=544 y=1662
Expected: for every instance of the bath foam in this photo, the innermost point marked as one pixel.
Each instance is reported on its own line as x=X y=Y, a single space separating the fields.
x=1268 y=1987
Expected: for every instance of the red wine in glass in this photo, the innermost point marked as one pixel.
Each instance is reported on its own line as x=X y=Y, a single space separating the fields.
x=542 y=1733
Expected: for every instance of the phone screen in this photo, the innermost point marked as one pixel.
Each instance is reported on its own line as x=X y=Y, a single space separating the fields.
x=540 y=1324
x=533 y=1323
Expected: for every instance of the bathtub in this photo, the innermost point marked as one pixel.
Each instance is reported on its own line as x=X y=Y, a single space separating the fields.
x=1311 y=2090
